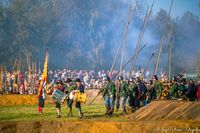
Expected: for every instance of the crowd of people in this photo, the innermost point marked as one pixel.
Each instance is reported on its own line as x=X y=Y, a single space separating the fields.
x=125 y=92
x=137 y=92
x=26 y=83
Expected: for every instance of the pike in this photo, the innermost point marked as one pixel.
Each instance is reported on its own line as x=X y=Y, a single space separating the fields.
x=197 y=71
x=1 y=79
x=197 y=68
x=151 y=57
x=139 y=41
x=14 y=65
x=119 y=71
x=162 y=41
x=130 y=16
x=170 y=56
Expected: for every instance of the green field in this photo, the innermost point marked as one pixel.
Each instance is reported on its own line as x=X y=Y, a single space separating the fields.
x=29 y=112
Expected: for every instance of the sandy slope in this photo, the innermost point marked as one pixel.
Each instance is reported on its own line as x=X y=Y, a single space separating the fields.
x=168 y=110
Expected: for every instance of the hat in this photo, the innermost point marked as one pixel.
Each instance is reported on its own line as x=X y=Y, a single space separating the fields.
x=77 y=80
x=60 y=82
x=131 y=80
x=107 y=78
x=68 y=80
x=120 y=78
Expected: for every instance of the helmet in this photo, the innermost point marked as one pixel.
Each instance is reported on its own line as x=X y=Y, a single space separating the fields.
x=120 y=78
x=107 y=78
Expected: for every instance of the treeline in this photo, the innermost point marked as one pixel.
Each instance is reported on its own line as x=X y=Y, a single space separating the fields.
x=86 y=34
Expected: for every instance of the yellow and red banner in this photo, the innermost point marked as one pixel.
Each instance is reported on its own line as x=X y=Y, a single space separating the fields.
x=44 y=79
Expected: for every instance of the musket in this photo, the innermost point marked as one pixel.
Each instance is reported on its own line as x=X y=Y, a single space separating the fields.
x=94 y=98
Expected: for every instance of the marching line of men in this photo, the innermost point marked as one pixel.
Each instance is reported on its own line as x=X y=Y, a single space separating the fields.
x=130 y=95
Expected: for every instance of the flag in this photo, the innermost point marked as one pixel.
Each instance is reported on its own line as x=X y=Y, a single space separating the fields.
x=43 y=82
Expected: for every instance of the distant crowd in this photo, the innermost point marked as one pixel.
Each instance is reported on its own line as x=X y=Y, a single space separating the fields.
x=146 y=88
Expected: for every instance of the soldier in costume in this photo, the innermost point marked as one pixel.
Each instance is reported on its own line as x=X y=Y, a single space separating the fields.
x=109 y=94
x=132 y=94
x=158 y=86
x=174 y=88
x=142 y=92
x=59 y=86
x=81 y=89
x=68 y=90
x=182 y=89
x=123 y=92
x=191 y=91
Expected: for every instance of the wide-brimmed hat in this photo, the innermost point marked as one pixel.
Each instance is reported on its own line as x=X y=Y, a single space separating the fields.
x=77 y=80
x=68 y=80
x=60 y=82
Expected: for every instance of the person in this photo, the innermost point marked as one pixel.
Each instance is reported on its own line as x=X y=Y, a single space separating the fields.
x=142 y=92
x=123 y=91
x=174 y=89
x=166 y=89
x=117 y=84
x=58 y=86
x=191 y=91
x=68 y=90
x=151 y=91
x=158 y=86
x=81 y=89
x=198 y=90
x=182 y=89
x=41 y=99
x=132 y=94
x=109 y=93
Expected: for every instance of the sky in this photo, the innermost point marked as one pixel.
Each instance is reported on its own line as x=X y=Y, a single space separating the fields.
x=179 y=6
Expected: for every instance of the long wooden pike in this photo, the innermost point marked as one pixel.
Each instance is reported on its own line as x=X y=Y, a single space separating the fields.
x=1 y=79
x=119 y=72
x=197 y=67
x=14 y=65
x=170 y=54
x=139 y=41
x=114 y=62
x=145 y=69
x=129 y=61
x=130 y=16
x=162 y=40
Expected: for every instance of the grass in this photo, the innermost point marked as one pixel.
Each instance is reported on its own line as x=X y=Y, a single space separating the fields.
x=94 y=112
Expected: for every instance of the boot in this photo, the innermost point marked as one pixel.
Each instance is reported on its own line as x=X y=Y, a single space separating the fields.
x=80 y=113
x=124 y=111
x=58 y=112
x=70 y=112
x=111 y=111
x=107 y=110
